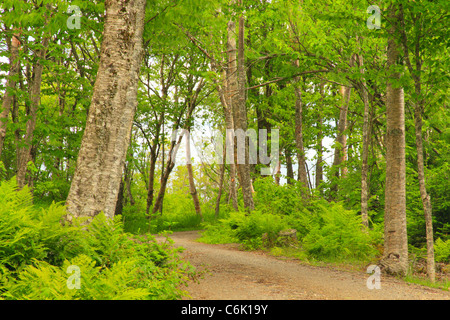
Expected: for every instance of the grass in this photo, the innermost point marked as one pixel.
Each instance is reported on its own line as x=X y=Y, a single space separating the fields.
x=136 y=222
x=438 y=284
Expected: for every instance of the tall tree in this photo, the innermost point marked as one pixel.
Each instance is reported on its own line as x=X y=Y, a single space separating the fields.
x=96 y=182
x=395 y=255
x=230 y=87
x=414 y=61
x=241 y=118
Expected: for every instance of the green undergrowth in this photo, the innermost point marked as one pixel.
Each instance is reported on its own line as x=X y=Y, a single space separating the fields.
x=326 y=231
x=330 y=234
x=39 y=253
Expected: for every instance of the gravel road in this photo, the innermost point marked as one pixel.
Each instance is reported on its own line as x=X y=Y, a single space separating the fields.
x=241 y=275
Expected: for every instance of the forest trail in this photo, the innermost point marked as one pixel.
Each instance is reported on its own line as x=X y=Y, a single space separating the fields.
x=242 y=275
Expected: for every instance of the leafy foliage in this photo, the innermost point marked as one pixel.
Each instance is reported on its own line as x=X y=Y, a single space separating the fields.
x=36 y=250
x=326 y=231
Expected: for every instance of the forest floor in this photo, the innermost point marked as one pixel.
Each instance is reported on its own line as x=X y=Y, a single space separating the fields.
x=231 y=274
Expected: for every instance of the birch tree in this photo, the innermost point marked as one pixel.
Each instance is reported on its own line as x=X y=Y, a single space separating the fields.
x=96 y=182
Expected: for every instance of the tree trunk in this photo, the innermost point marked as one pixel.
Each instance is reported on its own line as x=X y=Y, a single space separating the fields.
x=426 y=200
x=418 y=110
x=241 y=121
x=151 y=179
x=192 y=188
x=35 y=97
x=302 y=174
x=96 y=182
x=128 y=178
x=395 y=256
x=119 y=204
x=222 y=175
x=340 y=151
x=8 y=98
x=278 y=173
x=365 y=152
x=289 y=167
x=165 y=176
x=319 y=145
x=231 y=90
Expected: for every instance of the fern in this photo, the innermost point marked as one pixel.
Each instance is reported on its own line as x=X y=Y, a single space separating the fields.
x=36 y=249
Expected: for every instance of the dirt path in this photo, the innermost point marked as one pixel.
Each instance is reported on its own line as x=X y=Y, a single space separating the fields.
x=242 y=275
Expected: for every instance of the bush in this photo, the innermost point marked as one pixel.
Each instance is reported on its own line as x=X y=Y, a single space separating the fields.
x=442 y=250
x=36 y=249
x=245 y=229
x=325 y=230
x=253 y=226
x=337 y=234
x=19 y=231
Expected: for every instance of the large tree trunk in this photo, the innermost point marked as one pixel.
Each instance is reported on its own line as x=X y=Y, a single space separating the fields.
x=25 y=154
x=395 y=256
x=226 y=98
x=236 y=88
x=241 y=121
x=96 y=182
x=14 y=67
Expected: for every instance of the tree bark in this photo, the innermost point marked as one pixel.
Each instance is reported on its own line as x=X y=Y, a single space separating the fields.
x=231 y=90
x=395 y=256
x=241 y=120
x=96 y=182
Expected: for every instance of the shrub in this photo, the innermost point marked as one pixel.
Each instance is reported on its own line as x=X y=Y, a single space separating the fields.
x=19 y=231
x=337 y=234
x=442 y=250
x=246 y=229
x=36 y=249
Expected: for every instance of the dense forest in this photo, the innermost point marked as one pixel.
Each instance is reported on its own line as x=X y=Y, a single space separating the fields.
x=242 y=118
